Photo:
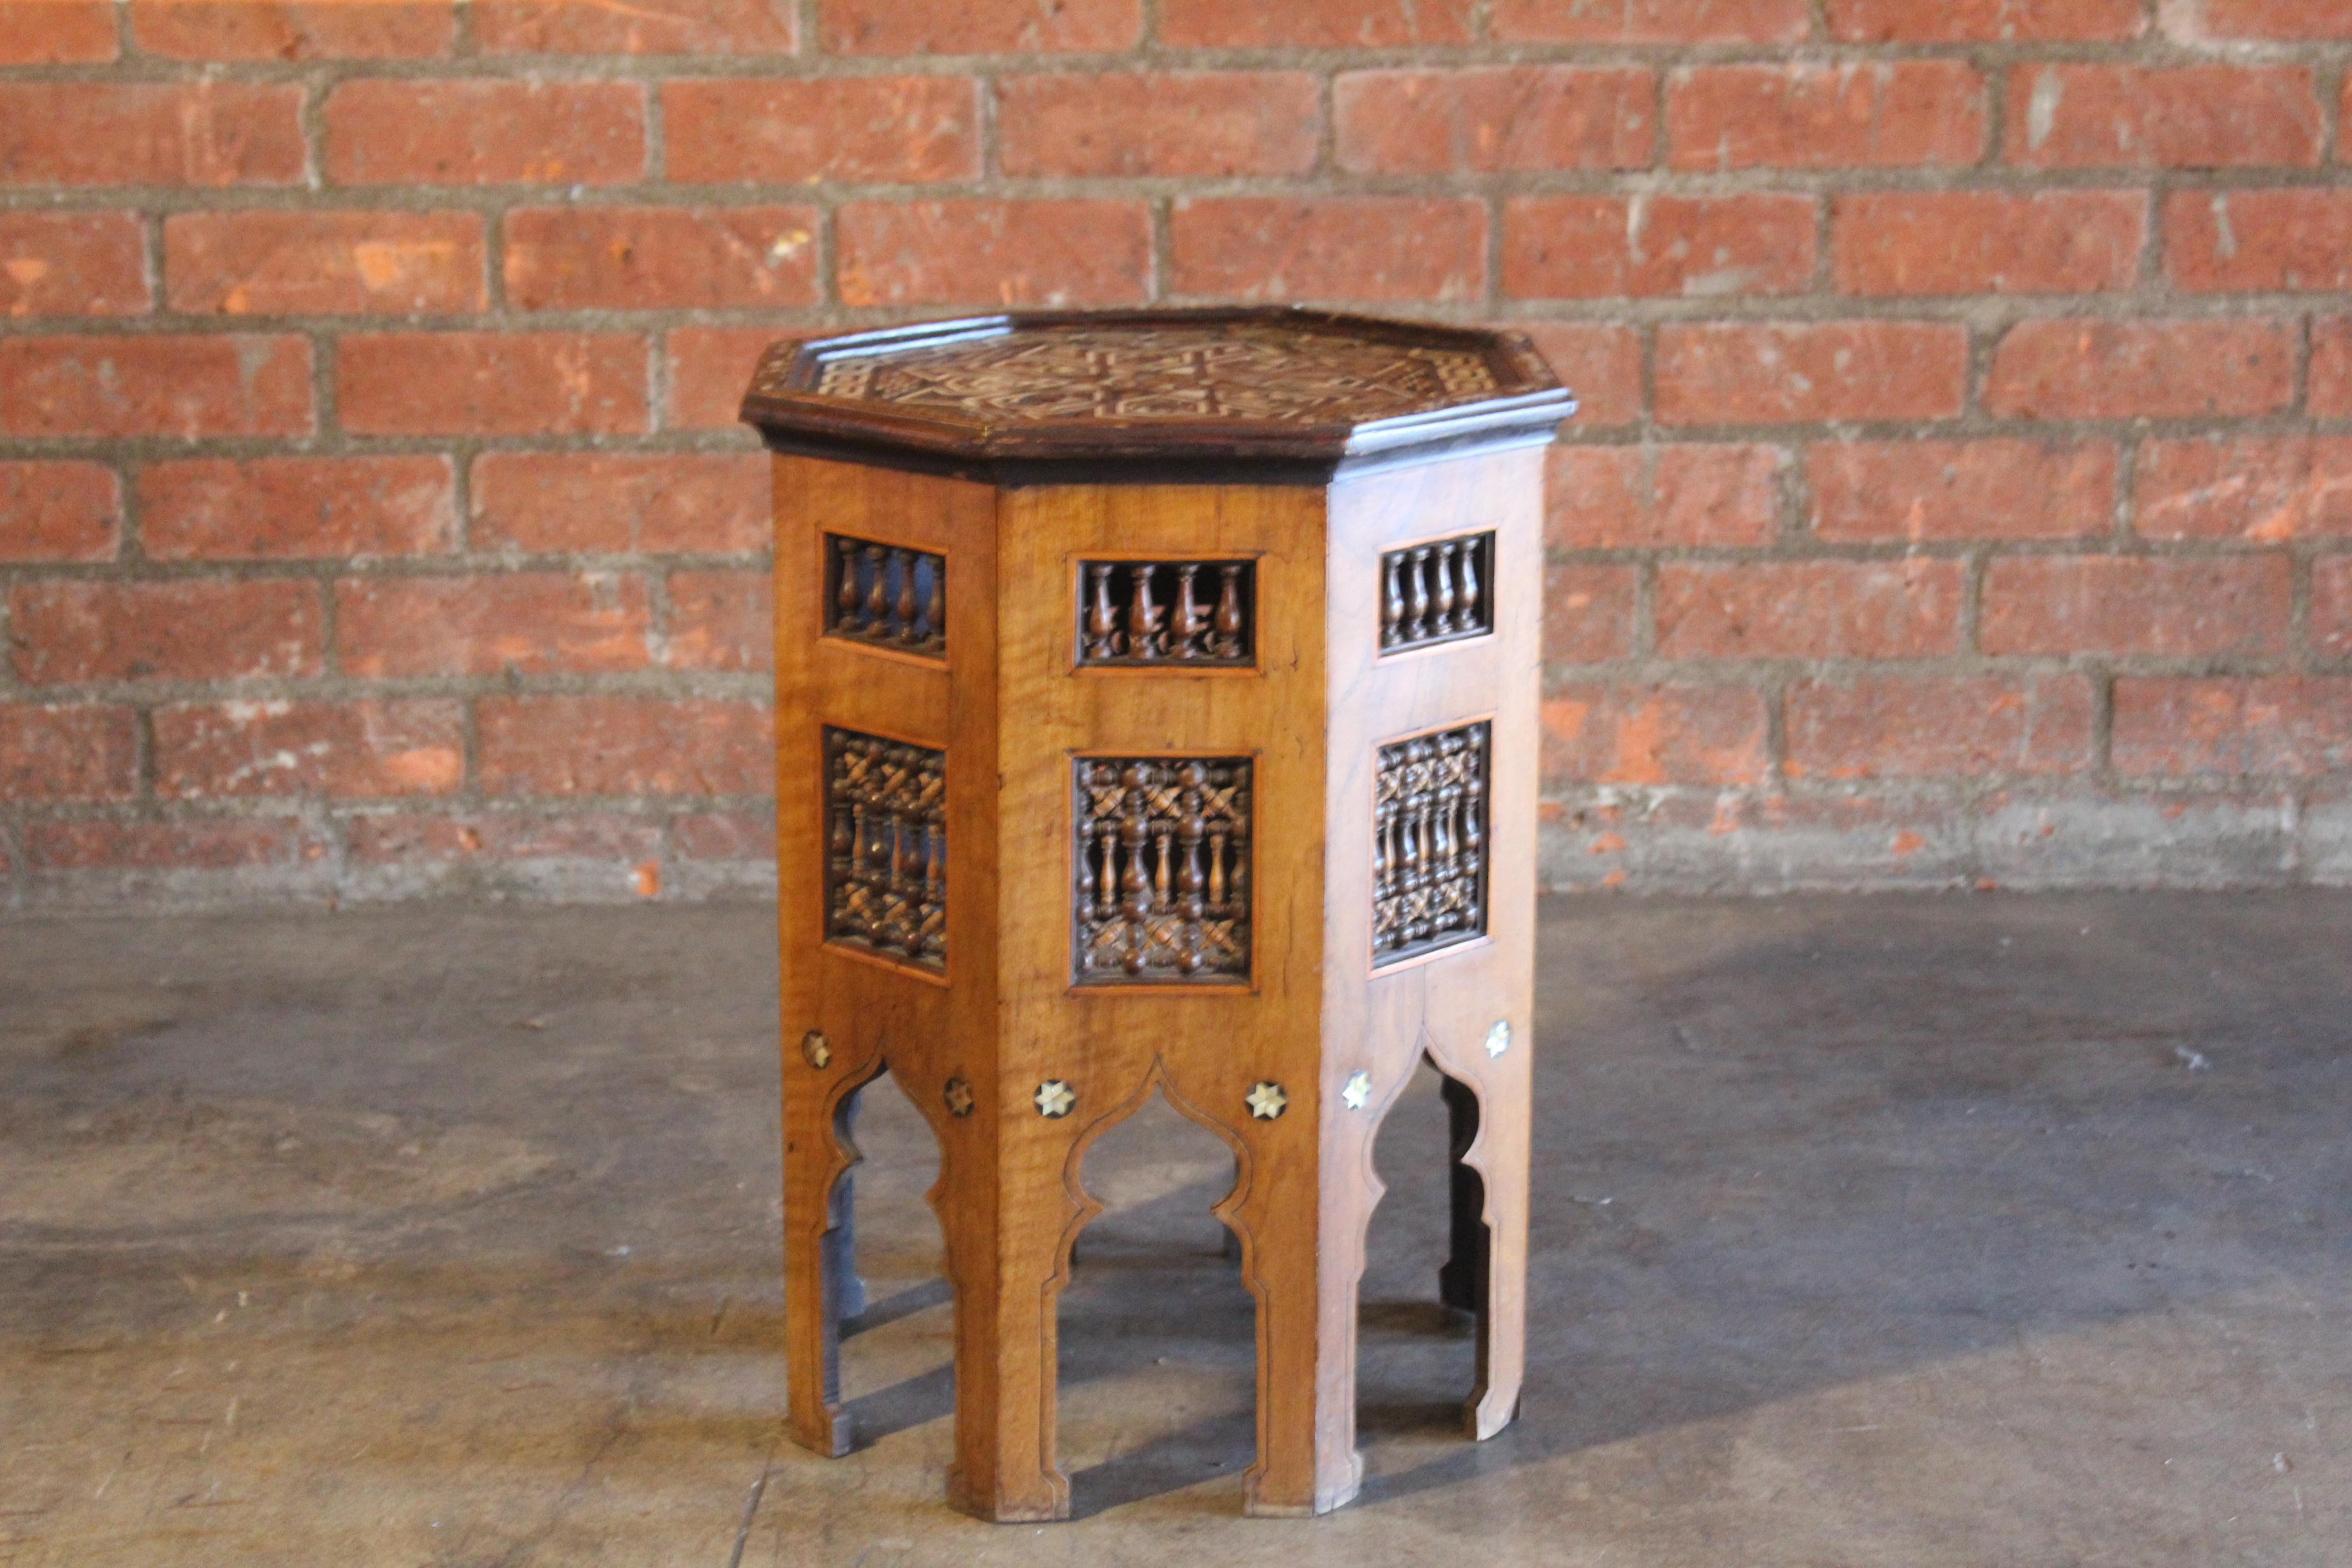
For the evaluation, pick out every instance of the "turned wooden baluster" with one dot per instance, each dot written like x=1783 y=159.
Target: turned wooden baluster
x=1466 y=598
x=1228 y=635
x=1102 y=615
x=878 y=592
x=1142 y=615
x=846 y=598
x=1392 y=603
x=1417 y=570
x=1443 y=598
x=1191 y=616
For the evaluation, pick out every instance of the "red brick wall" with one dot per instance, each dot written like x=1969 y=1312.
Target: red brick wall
x=1964 y=489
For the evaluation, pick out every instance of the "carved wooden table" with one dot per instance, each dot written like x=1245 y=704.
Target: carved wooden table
x=1156 y=710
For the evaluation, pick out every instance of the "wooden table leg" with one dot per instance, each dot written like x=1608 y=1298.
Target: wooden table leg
x=820 y=1288
x=1491 y=1243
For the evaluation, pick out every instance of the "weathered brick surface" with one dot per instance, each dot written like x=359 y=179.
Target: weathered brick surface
x=324 y=263
x=492 y=383
x=1986 y=242
x=1956 y=491
x=58 y=511
x=1964 y=469
x=72 y=263
x=523 y=622
x=907 y=129
x=1497 y=118
x=652 y=259
x=261 y=509
x=82 y=631
x=1810 y=609
x=397 y=747
x=1597 y=247
x=1110 y=124
x=2181 y=608
x=302 y=30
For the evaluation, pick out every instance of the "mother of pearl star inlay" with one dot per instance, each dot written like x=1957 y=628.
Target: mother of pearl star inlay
x=1268 y=1101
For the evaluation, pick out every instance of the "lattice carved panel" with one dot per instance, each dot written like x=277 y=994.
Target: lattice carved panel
x=1168 y=370
x=886 y=884
x=1429 y=843
x=1162 y=894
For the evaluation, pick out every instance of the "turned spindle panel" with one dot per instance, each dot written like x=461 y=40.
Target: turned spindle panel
x=886 y=596
x=1190 y=613
x=1437 y=592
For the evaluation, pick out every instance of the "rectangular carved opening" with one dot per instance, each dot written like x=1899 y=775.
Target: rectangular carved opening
x=1439 y=592
x=1166 y=612
x=1429 y=843
x=1162 y=893
x=886 y=864
x=886 y=596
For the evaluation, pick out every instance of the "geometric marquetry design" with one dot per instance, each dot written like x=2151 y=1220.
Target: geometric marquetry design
x=1429 y=843
x=1187 y=611
x=887 y=596
x=1436 y=592
x=1162 y=893
x=1182 y=371
x=886 y=883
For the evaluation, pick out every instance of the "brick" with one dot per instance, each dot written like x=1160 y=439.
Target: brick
x=709 y=367
x=1313 y=23
x=2197 y=21
x=616 y=503
x=893 y=129
x=404 y=839
x=133 y=134
x=183 y=388
x=1654 y=498
x=2286 y=724
x=198 y=630
x=1986 y=242
x=1984 y=21
x=1120 y=125
x=188 y=844
x=1810 y=609
x=395 y=133
x=343 y=750
x=1591 y=248
x=661 y=28
x=1587 y=614
x=1492 y=120
x=2141 y=370
x=1896 y=114
x=1924 y=491
x=278 y=509
x=2331 y=606
x=725 y=835
x=2202 y=116
x=1923 y=729
x=266 y=263
x=273 y=30
x=645 y=258
x=1331 y=248
x=58 y=511
x=503 y=623
x=491 y=383
x=73 y=264
x=1001 y=253
x=721 y=620
x=2331 y=367
x=1650 y=21
x=625 y=746
x=71 y=751
x=2166 y=606
x=1701 y=735
x=2246 y=241
x=1602 y=365
x=1782 y=372
x=55 y=32
x=2266 y=489
x=977 y=26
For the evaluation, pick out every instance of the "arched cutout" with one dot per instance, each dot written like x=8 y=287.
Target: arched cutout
x=1157 y=1331
x=898 y=1328
x=1423 y=1285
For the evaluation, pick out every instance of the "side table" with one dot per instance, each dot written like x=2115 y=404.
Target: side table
x=1156 y=710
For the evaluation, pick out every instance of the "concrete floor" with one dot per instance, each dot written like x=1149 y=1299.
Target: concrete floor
x=1913 y=1231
